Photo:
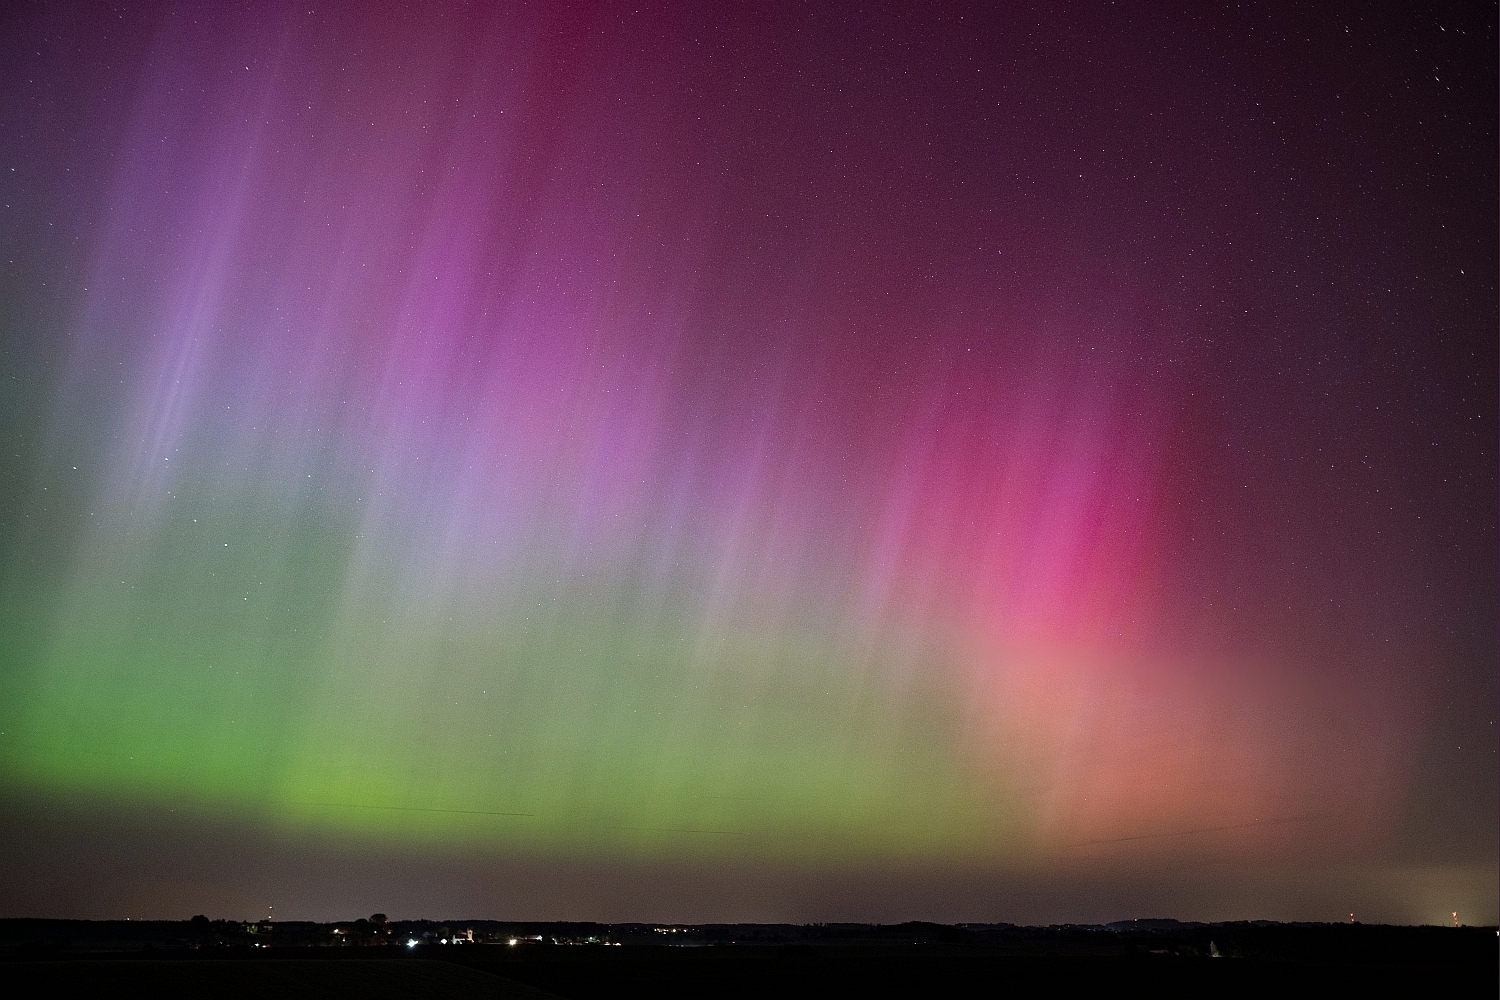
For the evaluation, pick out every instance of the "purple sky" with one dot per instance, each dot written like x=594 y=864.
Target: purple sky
x=623 y=461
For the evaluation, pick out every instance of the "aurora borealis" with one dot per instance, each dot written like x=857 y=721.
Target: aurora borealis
x=889 y=448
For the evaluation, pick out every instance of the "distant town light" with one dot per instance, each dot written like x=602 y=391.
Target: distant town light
x=411 y=942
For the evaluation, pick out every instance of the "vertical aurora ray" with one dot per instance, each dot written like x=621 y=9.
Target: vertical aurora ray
x=459 y=443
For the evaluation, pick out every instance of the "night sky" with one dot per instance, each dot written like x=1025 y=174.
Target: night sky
x=712 y=463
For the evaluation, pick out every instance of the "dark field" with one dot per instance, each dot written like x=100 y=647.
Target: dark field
x=774 y=972
x=1160 y=959
x=228 y=978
